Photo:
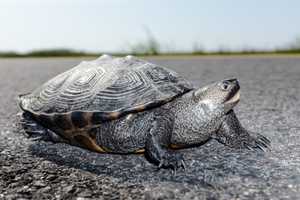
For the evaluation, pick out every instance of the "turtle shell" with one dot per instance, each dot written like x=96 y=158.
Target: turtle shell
x=104 y=89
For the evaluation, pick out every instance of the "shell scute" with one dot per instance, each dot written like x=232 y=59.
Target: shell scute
x=101 y=90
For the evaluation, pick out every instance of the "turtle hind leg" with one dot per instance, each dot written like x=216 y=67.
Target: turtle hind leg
x=232 y=134
x=35 y=131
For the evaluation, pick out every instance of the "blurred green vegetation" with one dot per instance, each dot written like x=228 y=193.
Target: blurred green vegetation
x=47 y=53
x=55 y=52
x=293 y=48
x=70 y=53
x=151 y=47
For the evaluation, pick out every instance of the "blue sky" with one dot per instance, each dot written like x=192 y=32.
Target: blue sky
x=114 y=25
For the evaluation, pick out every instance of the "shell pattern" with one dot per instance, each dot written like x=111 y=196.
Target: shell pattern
x=105 y=86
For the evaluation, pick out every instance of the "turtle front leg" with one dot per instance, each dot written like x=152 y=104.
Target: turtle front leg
x=157 y=149
x=232 y=134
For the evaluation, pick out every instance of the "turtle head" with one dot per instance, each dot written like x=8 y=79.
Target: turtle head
x=225 y=93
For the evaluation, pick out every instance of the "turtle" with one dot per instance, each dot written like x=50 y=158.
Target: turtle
x=128 y=105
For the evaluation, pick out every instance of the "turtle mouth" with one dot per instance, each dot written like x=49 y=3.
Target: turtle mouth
x=235 y=98
x=234 y=95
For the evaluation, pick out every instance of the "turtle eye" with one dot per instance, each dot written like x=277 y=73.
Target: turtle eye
x=225 y=85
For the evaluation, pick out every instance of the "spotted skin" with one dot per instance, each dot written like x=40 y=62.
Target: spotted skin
x=127 y=105
x=89 y=96
x=156 y=133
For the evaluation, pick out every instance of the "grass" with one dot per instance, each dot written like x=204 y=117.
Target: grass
x=151 y=47
x=146 y=52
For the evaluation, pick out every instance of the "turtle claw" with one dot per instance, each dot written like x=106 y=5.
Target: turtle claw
x=263 y=143
x=160 y=165
x=183 y=165
x=34 y=139
x=256 y=141
x=173 y=161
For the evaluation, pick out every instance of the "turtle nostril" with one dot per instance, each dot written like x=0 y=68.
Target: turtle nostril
x=232 y=80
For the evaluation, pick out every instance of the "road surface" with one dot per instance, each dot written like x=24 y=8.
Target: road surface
x=270 y=104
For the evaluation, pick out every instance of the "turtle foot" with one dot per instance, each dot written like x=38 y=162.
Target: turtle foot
x=172 y=161
x=36 y=131
x=256 y=141
x=233 y=134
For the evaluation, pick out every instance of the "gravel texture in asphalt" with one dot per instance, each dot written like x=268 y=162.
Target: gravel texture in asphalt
x=270 y=105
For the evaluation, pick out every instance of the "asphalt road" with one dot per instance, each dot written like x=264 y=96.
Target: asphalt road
x=270 y=104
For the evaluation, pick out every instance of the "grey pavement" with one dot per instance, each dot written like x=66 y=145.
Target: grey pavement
x=270 y=105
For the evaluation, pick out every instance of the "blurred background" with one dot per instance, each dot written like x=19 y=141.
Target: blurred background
x=180 y=35
x=79 y=27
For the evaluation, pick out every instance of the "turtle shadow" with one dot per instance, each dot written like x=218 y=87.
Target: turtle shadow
x=207 y=166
